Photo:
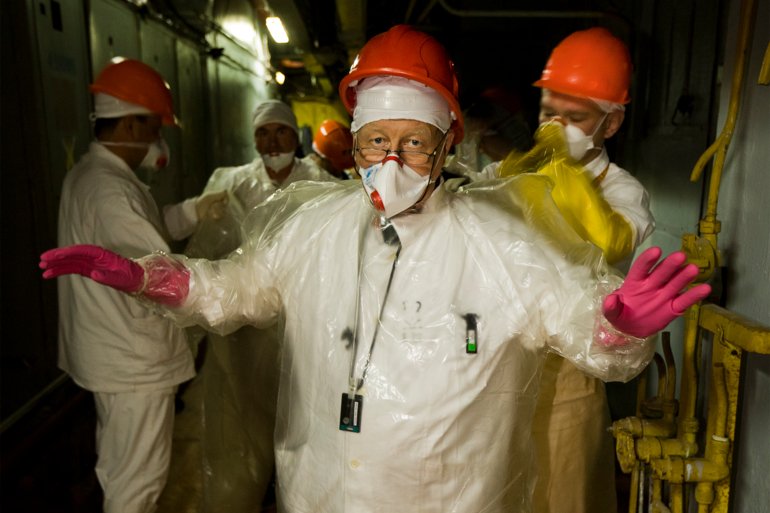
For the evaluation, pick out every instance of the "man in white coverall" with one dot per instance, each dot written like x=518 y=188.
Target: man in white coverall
x=240 y=370
x=131 y=359
x=414 y=338
x=276 y=137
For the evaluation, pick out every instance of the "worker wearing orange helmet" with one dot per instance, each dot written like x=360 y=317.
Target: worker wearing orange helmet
x=333 y=149
x=130 y=359
x=585 y=87
x=414 y=337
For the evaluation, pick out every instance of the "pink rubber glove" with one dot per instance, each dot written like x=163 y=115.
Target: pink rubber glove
x=650 y=296
x=167 y=280
x=97 y=263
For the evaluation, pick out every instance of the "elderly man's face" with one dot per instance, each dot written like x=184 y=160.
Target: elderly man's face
x=275 y=138
x=414 y=141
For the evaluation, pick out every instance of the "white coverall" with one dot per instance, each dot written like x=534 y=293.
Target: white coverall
x=240 y=370
x=131 y=358
x=442 y=430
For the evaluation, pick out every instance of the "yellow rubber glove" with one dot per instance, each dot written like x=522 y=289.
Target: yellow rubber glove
x=578 y=199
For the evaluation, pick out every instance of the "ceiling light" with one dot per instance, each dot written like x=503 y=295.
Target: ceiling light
x=278 y=33
x=280 y=77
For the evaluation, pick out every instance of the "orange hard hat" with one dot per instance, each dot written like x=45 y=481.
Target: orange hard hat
x=135 y=82
x=334 y=142
x=405 y=52
x=589 y=63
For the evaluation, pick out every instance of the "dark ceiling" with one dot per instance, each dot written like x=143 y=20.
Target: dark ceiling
x=492 y=42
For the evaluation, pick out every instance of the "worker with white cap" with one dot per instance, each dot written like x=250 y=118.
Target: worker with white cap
x=240 y=370
x=414 y=338
x=276 y=137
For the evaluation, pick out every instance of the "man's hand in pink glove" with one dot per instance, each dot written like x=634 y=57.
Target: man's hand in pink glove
x=97 y=263
x=167 y=281
x=651 y=295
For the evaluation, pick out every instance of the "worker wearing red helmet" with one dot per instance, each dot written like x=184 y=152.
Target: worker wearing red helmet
x=333 y=149
x=585 y=87
x=414 y=337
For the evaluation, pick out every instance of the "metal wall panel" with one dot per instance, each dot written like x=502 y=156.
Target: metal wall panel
x=238 y=82
x=63 y=57
x=114 y=32
x=191 y=98
x=158 y=49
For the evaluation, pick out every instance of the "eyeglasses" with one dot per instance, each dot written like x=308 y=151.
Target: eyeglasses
x=411 y=157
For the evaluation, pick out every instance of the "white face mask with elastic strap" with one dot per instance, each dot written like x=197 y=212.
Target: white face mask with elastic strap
x=578 y=141
x=157 y=156
x=278 y=162
x=393 y=186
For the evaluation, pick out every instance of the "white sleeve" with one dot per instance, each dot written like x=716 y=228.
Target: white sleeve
x=181 y=218
x=630 y=199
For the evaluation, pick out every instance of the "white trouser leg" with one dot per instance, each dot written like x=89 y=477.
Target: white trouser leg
x=133 y=443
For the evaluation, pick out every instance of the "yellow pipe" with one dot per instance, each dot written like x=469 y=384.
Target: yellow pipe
x=639 y=428
x=656 y=499
x=736 y=329
x=670 y=366
x=723 y=141
x=688 y=423
x=721 y=421
x=650 y=448
x=633 y=497
x=688 y=470
x=676 y=498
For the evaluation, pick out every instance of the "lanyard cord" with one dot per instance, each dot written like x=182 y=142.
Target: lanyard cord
x=356 y=384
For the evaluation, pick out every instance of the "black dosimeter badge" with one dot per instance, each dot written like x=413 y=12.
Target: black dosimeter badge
x=352 y=404
x=350 y=412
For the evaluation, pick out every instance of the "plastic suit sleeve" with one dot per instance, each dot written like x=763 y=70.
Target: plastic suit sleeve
x=571 y=301
x=227 y=294
x=157 y=278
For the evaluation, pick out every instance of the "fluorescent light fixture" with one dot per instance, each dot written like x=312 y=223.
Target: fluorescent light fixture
x=280 y=77
x=277 y=32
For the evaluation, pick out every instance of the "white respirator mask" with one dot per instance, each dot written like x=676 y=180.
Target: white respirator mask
x=578 y=141
x=278 y=162
x=157 y=156
x=393 y=186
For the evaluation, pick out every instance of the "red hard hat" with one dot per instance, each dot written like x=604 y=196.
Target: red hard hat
x=589 y=63
x=334 y=142
x=408 y=53
x=135 y=82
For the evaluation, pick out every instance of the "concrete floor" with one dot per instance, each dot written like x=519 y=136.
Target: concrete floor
x=48 y=458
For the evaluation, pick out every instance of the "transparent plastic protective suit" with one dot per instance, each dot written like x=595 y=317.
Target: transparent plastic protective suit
x=574 y=192
x=240 y=387
x=480 y=284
